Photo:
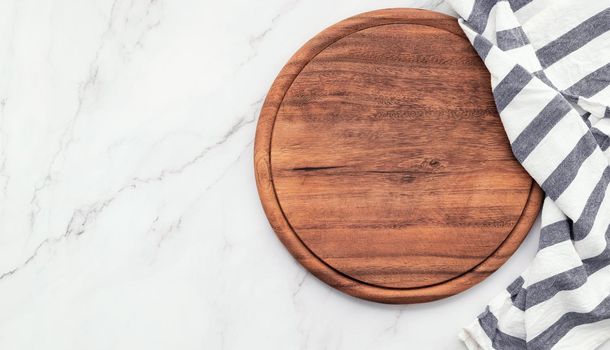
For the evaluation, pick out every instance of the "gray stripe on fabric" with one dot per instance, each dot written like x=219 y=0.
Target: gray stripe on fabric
x=499 y=339
x=592 y=83
x=511 y=38
x=588 y=122
x=574 y=39
x=515 y=287
x=602 y=139
x=510 y=86
x=482 y=46
x=552 y=335
x=515 y=290
x=542 y=76
x=584 y=224
x=600 y=261
x=531 y=136
x=566 y=172
x=572 y=99
x=520 y=300
x=555 y=233
x=607 y=114
x=585 y=117
x=515 y=5
x=480 y=13
x=544 y=290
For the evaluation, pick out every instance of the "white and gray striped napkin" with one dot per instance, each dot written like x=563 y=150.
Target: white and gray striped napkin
x=550 y=72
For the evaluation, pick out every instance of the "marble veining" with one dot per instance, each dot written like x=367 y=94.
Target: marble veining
x=129 y=217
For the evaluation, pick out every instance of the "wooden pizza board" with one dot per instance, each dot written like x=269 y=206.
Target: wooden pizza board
x=382 y=163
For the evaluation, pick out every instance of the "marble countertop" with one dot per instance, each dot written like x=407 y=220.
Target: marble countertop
x=129 y=217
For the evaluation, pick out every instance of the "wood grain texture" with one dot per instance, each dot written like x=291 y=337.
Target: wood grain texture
x=382 y=164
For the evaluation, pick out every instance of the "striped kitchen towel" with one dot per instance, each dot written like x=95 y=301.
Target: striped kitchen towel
x=550 y=72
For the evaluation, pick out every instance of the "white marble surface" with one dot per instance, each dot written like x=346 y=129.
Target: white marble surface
x=129 y=217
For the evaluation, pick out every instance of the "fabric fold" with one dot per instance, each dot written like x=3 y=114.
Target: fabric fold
x=551 y=86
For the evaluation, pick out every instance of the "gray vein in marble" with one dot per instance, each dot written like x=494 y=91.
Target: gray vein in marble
x=173 y=227
x=85 y=89
x=227 y=246
x=255 y=40
x=237 y=126
x=394 y=327
x=299 y=285
x=30 y=259
x=82 y=217
x=149 y=28
x=77 y=225
x=214 y=183
x=67 y=136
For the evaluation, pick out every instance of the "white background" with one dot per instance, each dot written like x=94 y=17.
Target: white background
x=129 y=217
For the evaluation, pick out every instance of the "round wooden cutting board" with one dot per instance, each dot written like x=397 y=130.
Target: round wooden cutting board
x=382 y=163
